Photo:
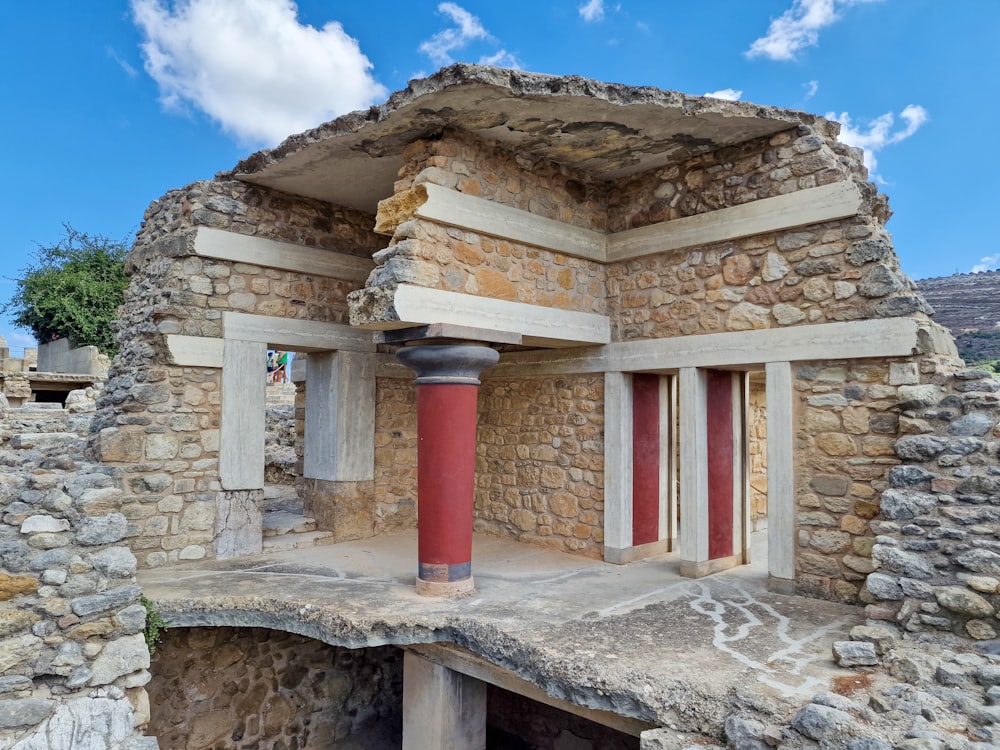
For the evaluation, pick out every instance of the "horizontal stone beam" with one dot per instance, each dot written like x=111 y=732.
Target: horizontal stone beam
x=298 y=335
x=466 y=662
x=452 y=208
x=408 y=306
x=810 y=206
x=892 y=337
x=194 y=351
x=241 y=248
x=486 y=217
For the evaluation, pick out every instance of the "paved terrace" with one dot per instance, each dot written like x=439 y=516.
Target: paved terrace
x=637 y=640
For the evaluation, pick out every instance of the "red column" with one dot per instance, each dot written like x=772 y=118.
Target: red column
x=645 y=458
x=720 y=463
x=447 y=387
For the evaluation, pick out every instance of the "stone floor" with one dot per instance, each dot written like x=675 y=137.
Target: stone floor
x=636 y=639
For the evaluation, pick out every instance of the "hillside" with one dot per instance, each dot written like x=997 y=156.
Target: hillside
x=969 y=305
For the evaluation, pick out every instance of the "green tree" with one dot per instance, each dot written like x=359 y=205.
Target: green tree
x=72 y=290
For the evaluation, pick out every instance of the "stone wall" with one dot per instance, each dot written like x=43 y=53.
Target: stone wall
x=834 y=271
x=463 y=162
x=243 y=688
x=540 y=462
x=73 y=659
x=847 y=427
x=395 y=455
x=936 y=555
x=160 y=423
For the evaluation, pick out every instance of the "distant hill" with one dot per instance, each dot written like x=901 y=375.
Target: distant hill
x=969 y=305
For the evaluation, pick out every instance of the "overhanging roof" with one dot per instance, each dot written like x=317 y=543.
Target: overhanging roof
x=607 y=130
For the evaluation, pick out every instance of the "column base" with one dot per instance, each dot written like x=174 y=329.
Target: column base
x=781 y=585
x=618 y=556
x=692 y=569
x=446 y=589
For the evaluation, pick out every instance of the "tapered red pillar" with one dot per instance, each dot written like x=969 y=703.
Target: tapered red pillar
x=447 y=387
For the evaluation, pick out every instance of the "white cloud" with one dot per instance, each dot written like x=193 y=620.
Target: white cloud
x=879 y=133
x=592 y=11
x=130 y=71
x=798 y=28
x=467 y=28
x=811 y=88
x=989 y=263
x=501 y=59
x=251 y=66
x=730 y=95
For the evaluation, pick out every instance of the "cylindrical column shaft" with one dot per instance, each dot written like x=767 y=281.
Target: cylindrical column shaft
x=447 y=388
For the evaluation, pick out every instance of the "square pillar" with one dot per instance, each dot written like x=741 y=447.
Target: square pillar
x=340 y=416
x=442 y=709
x=241 y=431
x=713 y=480
x=780 y=478
x=637 y=466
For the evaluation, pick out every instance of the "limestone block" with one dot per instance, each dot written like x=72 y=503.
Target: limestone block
x=746 y=316
x=854 y=654
x=24 y=712
x=36 y=524
x=120 y=657
x=96 y=530
x=964 y=602
x=116 y=445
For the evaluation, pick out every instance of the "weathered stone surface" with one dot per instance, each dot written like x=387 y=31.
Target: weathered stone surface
x=904 y=563
x=918 y=396
x=854 y=653
x=920 y=447
x=974 y=424
x=910 y=476
x=982 y=561
x=108 y=600
x=868 y=251
x=120 y=657
x=883 y=640
x=902 y=505
x=820 y=722
x=747 y=317
x=963 y=601
x=97 y=723
x=107 y=529
x=24 y=712
x=115 y=562
x=883 y=587
x=880 y=281
x=12 y=585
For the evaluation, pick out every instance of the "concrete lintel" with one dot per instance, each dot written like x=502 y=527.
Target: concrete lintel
x=809 y=206
x=537 y=325
x=466 y=662
x=299 y=335
x=858 y=339
x=453 y=208
x=446 y=331
x=241 y=248
x=194 y=351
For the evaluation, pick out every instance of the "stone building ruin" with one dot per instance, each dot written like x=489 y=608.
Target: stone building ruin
x=645 y=322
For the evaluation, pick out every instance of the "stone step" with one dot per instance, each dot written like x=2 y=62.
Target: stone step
x=297 y=541
x=281 y=522
x=43 y=439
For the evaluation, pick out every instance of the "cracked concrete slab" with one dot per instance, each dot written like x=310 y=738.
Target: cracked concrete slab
x=636 y=639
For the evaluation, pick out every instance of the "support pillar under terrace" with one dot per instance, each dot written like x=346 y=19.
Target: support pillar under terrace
x=447 y=389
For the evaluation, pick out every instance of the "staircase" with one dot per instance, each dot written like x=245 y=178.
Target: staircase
x=285 y=524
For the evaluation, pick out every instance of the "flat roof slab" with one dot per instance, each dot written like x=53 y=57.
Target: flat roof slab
x=635 y=639
x=607 y=130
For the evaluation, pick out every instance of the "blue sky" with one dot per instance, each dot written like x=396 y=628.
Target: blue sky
x=111 y=104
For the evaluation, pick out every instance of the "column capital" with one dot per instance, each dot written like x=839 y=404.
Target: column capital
x=454 y=364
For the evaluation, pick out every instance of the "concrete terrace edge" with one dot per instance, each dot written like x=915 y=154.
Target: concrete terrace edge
x=558 y=677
